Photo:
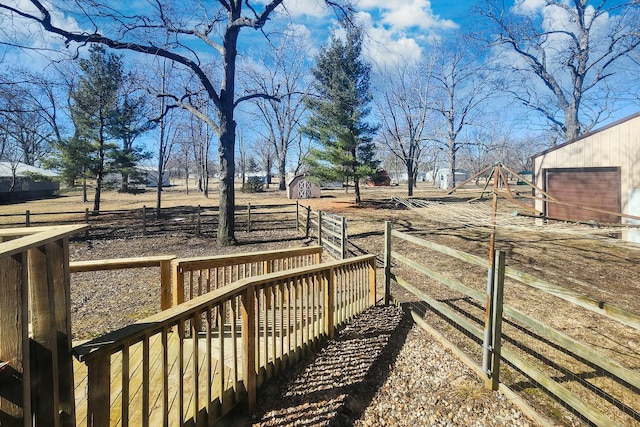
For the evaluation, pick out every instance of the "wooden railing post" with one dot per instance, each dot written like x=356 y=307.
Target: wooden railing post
x=178 y=283
x=372 y=282
x=98 y=386
x=165 y=284
x=14 y=339
x=330 y=302
x=249 y=371
x=493 y=382
x=387 y=262
x=44 y=352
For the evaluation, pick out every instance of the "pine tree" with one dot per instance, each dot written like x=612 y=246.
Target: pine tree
x=339 y=109
x=94 y=104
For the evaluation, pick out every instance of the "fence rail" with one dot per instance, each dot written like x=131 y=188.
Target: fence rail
x=516 y=334
x=193 y=362
x=190 y=219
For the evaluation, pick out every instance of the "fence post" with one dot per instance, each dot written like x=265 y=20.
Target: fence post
x=387 y=262
x=496 y=317
x=297 y=215
x=27 y=219
x=249 y=217
x=144 y=220
x=320 y=228
x=86 y=221
x=343 y=238
x=249 y=346
x=199 y=226
x=308 y=225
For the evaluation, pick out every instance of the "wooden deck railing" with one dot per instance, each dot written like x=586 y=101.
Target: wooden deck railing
x=36 y=373
x=199 y=275
x=162 y=261
x=193 y=362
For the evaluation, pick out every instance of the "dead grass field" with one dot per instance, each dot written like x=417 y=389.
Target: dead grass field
x=602 y=268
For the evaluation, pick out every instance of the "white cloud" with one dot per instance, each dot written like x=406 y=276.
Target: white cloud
x=385 y=48
x=527 y=7
x=312 y=8
x=407 y=14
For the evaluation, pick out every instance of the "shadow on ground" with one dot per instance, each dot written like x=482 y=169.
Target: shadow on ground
x=336 y=386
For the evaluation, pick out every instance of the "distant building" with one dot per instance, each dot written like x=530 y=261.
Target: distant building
x=299 y=187
x=19 y=181
x=441 y=177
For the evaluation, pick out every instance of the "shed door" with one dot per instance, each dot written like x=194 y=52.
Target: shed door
x=596 y=188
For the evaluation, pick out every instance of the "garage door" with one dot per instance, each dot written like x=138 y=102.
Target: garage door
x=597 y=188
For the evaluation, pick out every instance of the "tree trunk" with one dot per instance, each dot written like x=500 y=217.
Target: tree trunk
x=226 y=220
x=282 y=174
x=356 y=188
x=410 y=177
x=452 y=165
x=227 y=135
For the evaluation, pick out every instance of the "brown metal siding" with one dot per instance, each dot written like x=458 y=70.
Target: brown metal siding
x=596 y=188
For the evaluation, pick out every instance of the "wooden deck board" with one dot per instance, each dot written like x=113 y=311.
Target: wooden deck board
x=155 y=377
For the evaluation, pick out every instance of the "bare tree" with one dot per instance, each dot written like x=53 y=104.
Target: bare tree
x=404 y=106
x=460 y=87
x=564 y=67
x=216 y=25
x=282 y=73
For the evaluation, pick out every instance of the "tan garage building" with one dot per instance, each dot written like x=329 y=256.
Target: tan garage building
x=599 y=171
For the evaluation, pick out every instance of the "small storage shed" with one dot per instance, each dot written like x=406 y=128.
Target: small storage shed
x=299 y=187
x=598 y=171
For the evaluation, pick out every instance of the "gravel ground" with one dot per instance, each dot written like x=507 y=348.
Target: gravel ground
x=382 y=370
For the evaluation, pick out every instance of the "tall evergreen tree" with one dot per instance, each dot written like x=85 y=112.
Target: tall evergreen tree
x=338 y=112
x=94 y=104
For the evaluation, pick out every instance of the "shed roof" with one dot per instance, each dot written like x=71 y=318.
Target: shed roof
x=588 y=134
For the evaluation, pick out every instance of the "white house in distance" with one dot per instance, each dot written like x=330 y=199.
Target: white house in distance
x=23 y=179
x=600 y=170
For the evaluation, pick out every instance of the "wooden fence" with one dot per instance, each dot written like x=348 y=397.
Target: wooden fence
x=192 y=363
x=329 y=229
x=519 y=339
x=135 y=222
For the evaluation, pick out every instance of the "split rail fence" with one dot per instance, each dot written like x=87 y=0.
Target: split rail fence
x=600 y=382
x=186 y=365
x=329 y=229
x=196 y=220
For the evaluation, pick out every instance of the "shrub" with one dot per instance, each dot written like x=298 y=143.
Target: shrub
x=253 y=184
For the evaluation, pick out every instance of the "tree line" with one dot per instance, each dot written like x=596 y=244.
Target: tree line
x=329 y=115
